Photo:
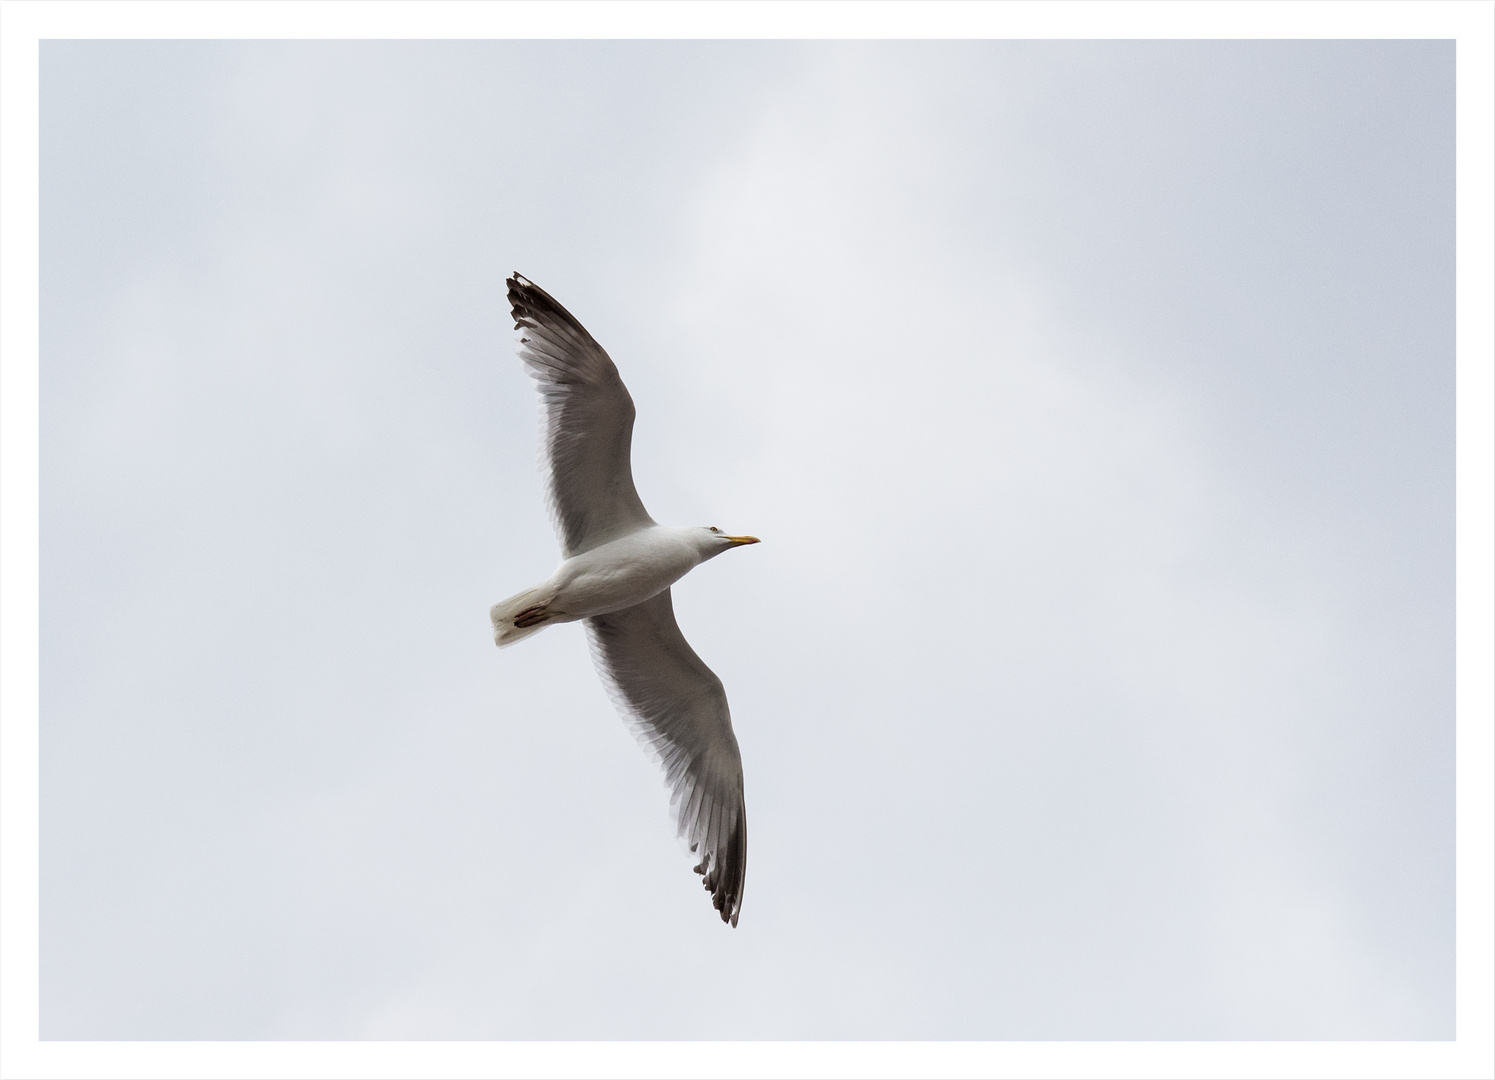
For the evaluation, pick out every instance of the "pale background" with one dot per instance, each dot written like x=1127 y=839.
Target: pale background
x=1094 y=402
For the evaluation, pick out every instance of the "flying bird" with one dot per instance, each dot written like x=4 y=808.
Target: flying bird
x=617 y=566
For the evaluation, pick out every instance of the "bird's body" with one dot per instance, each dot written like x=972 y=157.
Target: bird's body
x=618 y=574
x=617 y=568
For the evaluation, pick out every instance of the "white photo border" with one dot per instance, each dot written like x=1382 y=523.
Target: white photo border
x=25 y=23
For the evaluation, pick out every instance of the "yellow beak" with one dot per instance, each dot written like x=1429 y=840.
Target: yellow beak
x=744 y=539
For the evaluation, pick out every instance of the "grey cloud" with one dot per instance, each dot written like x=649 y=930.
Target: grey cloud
x=1093 y=400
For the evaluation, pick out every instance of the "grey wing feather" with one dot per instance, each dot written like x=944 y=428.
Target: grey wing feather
x=678 y=707
x=587 y=419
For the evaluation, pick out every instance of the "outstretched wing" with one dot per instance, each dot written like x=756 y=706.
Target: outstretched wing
x=677 y=706
x=587 y=417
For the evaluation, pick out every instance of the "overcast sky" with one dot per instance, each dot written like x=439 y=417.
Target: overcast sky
x=1094 y=403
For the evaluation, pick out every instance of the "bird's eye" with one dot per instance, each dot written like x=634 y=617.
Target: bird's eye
x=715 y=529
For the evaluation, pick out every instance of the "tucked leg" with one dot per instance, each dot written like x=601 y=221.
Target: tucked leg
x=531 y=616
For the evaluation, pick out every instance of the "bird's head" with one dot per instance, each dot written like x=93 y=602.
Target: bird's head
x=714 y=541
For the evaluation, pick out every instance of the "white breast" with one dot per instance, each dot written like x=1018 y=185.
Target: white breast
x=622 y=573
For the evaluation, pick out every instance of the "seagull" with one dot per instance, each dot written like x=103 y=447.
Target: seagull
x=617 y=566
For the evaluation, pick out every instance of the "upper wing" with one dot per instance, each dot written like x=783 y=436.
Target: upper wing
x=588 y=422
x=677 y=705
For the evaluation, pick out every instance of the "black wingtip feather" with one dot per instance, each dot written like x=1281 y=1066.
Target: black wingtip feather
x=724 y=877
x=529 y=303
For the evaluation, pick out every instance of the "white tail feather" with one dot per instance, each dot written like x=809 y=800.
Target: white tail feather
x=505 y=632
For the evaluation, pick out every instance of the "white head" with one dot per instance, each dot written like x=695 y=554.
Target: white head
x=713 y=541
